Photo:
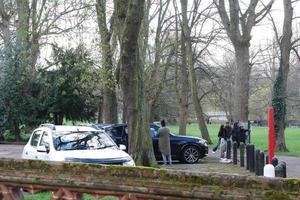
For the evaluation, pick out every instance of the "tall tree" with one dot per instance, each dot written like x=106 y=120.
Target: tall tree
x=120 y=9
x=238 y=26
x=15 y=102
x=157 y=68
x=68 y=91
x=182 y=83
x=280 y=84
x=131 y=76
x=186 y=41
x=23 y=23
x=108 y=80
x=34 y=21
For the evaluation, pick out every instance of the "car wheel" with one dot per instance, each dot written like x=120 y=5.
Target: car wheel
x=190 y=154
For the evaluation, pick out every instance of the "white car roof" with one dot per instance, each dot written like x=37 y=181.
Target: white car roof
x=74 y=128
x=64 y=128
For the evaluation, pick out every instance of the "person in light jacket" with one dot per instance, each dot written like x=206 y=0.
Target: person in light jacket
x=164 y=143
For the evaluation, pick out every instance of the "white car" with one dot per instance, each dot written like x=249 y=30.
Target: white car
x=74 y=144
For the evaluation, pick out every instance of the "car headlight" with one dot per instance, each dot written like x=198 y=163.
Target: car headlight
x=204 y=142
x=130 y=163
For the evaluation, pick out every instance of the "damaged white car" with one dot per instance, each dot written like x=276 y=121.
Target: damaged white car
x=75 y=144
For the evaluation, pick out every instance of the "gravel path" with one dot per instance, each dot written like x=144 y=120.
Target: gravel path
x=211 y=163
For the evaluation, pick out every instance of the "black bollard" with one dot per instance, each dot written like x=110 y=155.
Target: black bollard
x=251 y=158
x=279 y=171
x=242 y=155
x=234 y=153
x=247 y=157
x=228 y=151
x=267 y=159
x=261 y=163
x=257 y=153
x=284 y=168
x=274 y=161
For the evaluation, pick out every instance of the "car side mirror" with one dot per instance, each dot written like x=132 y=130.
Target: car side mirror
x=44 y=149
x=122 y=147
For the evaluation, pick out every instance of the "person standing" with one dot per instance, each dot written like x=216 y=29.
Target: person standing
x=220 y=135
x=244 y=134
x=228 y=131
x=236 y=133
x=164 y=143
x=225 y=137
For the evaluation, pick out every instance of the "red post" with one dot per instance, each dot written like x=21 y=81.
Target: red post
x=271 y=134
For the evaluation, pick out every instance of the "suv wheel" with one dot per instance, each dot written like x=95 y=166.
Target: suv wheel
x=190 y=154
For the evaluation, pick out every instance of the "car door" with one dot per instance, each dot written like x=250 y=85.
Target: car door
x=30 y=150
x=116 y=133
x=45 y=144
x=175 y=146
x=154 y=136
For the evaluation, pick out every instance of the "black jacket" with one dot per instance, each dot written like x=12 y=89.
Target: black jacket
x=225 y=132
x=228 y=132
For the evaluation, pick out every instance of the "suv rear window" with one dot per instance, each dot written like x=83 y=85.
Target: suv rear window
x=117 y=131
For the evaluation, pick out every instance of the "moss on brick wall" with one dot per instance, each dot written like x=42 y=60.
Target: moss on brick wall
x=145 y=180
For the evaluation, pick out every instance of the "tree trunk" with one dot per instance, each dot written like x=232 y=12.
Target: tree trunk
x=144 y=33
x=58 y=119
x=279 y=105
x=110 y=111
x=184 y=90
x=35 y=35
x=192 y=74
x=100 y=111
x=109 y=97
x=17 y=131
x=23 y=23
x=34 y=54
x=197 y=105
x=139 y=139
x=124 y=116
x=280 y=84
x=241 y=83
x=4 y=24
x=144 y=145
x=238 y=25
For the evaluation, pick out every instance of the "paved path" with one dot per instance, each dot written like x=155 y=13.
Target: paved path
x=211 y=164
x=11 y=151
x=293 y=166
x=208 y=164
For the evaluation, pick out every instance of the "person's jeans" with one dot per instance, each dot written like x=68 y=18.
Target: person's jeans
x=217 y=145
x=167 y=158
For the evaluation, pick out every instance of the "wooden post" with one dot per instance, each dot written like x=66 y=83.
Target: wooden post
x=261 y=163
x=234 y=153
x=257 y=154
x=242 y=155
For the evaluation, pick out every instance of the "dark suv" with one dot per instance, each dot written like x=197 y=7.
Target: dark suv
x=184 y=148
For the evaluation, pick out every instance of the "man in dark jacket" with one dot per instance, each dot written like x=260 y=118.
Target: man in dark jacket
x=226 y=136
x=164 y=142
x=220 y=135
x=227 y=131
x=236 y=133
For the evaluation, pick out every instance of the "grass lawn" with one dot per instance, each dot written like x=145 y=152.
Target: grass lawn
x=259 y=137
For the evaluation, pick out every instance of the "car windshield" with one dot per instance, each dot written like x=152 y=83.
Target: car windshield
x=87 y=140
